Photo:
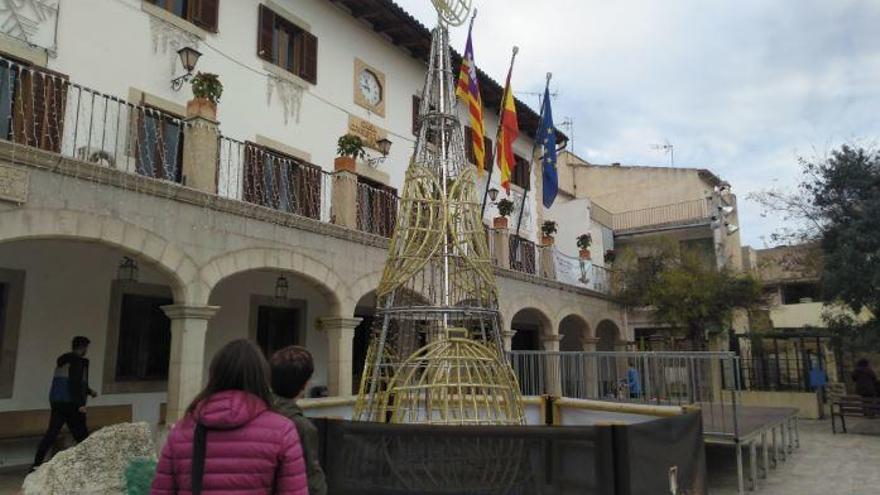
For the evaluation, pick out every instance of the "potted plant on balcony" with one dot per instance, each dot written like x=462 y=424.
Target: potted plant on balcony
x=350 y=148
x=207 y=89
x=505 y=208
x=583 y=242
x=610 y=256
x=548 y=228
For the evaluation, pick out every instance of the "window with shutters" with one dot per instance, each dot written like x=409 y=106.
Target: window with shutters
x=202 y=13
x=431 y=134
x=521 y=173
x=287 y=45
x=469 y=148
x=33 y=102
x=144 y=342
x=281 y=182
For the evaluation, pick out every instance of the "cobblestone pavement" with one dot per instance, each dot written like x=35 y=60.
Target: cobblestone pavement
x=825 y=464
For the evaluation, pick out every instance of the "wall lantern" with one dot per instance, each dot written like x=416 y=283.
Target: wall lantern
x=493 y=194
x=189 y=57
x=384 y=147
x=281 y=288
x=128 y=270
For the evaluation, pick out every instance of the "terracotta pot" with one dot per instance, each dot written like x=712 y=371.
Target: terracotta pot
x=585 y=254
x=547 y=240
x=499 y=222
x=202 y=107
x=345 y=163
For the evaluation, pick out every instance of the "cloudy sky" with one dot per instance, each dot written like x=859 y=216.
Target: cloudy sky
x=740 y=87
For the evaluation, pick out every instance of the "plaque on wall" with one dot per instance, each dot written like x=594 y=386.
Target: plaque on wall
x=367 y=131
x=13 y=184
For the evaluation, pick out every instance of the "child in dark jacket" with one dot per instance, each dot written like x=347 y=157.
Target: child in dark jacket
x=292 y=367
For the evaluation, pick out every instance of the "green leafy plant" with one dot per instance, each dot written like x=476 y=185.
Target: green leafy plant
x=208 y=86
x=549 y=227
x=505 y=207
x=351 y=146
x=584 y=241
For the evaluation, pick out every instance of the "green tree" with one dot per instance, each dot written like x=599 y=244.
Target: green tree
x=837 y=207
x=686 y=292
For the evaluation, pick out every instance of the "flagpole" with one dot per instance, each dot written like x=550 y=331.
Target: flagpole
x=522 y=206
x=498 y=132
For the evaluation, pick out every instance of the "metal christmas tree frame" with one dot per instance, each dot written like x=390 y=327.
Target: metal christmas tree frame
x=436 y=356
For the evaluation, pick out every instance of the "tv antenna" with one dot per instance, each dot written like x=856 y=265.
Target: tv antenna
x=668 y=149
x=567 y=125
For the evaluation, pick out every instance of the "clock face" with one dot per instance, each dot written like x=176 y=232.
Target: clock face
x=370 y=88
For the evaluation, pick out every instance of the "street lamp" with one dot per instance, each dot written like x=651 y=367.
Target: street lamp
x=493 y=194
x=281 y=288
x=128 y=270
x=189 y=57
x=384 y=147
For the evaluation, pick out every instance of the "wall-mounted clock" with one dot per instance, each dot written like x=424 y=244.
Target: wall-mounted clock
x=369 y=87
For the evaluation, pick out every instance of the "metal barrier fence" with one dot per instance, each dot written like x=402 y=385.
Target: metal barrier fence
x=705 y=379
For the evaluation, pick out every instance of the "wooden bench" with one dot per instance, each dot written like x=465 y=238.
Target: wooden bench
x=853 y=406
x=17 y=425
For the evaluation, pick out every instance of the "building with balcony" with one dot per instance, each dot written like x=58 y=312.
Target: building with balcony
x=161 y=233
x=633 y=208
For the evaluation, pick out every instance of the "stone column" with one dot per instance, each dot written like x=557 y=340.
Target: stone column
x=340 y=336
x=507 y=339
x=189 y=325
x=591 y=370
x=553 y=370
x=548 y=263
x=501 y=245
x=344 y=201
x=200 y=154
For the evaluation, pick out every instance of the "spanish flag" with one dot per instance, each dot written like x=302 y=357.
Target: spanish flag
x=469 y=92
x=507 y=133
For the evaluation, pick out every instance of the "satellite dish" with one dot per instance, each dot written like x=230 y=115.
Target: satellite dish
x=452 y=12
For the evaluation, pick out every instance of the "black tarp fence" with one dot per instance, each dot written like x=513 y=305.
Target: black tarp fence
x=372 y=458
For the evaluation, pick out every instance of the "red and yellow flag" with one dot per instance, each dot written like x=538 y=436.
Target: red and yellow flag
x=507 y=133
x=469 y=92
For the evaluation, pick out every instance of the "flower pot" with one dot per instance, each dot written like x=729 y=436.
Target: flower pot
x=499 y=222
x=345 y=163
x=202 y=107
x=585 y=254
x=547 y=240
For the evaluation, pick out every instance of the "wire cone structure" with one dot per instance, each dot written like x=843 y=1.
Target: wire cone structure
x=436 y=356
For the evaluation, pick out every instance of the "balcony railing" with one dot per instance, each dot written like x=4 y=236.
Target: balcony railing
x=671 y=214
x=40 y=109
x=522 y=255
x=581 y=272
x=376 y=209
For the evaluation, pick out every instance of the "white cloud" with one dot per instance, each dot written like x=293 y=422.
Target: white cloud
x=742 y=88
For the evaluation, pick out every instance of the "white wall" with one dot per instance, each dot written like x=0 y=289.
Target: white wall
x=113 y=46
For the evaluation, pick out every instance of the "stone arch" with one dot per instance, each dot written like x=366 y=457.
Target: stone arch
x=325 y=280
x=366 y=284
x=608 y=333
x=574 y=332
x=531 y=326
x=143 y=244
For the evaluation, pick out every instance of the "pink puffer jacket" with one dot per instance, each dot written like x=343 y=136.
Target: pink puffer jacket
x=250 y=450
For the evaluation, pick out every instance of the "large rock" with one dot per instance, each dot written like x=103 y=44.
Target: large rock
x=97 y=465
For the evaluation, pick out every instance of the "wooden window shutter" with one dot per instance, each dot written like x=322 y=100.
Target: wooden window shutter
x=253 y=174
x=205 y=14
x=309 y=68
x=266 y=34
x=416 y=104
x=469 y=145
x=40 y=103
x=490 y=154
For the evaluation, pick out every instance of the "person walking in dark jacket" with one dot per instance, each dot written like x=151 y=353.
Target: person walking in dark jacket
x=67 y=397
x=865 y=378
x=292 y=367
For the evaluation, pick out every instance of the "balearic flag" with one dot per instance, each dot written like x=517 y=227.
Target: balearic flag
x=469 y=91
x=507 y=133
x=546 y=138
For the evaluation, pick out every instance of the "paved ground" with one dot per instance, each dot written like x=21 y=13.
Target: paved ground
x=825 y=463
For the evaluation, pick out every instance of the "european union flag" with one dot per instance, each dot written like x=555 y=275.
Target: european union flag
x=546 y=137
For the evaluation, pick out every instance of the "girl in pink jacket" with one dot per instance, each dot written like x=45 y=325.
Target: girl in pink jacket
x=229 y=442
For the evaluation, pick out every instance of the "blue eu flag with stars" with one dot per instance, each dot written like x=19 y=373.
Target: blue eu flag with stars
x=547 y=140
